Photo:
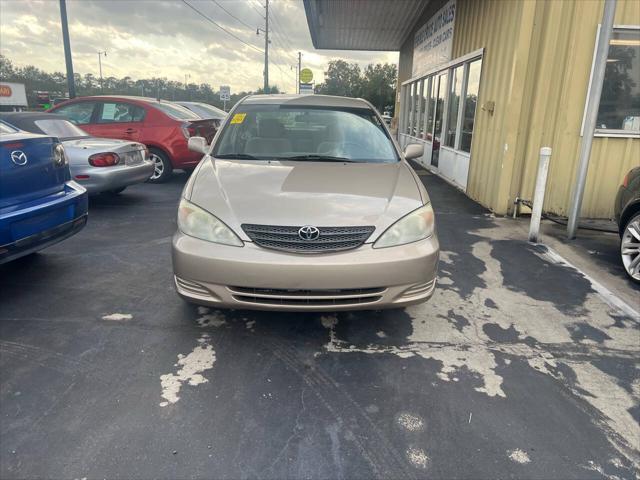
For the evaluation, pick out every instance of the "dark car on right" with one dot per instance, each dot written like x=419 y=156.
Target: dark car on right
x=627 y=212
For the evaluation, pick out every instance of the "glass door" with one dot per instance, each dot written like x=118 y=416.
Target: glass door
x=440 y=93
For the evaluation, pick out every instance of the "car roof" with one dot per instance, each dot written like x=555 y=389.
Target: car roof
x=122 y=97
x=307 y=100
x=26 y=120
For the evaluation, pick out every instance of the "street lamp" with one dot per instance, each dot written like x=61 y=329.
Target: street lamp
x=100 y=54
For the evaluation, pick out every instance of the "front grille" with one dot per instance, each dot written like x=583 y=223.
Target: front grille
x=331 y=239
x=310 y=298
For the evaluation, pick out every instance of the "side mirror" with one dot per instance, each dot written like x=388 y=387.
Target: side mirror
x=413 y=150
x=198 y=144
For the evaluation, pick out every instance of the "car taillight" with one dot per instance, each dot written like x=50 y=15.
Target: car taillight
x=189 y=130
x=59 y=157
x=625 y=181
x=104 y=159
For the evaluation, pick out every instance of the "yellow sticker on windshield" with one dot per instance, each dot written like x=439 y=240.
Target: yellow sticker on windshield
x=238 y=118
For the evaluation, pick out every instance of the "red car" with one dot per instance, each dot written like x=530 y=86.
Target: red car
x=162 y=126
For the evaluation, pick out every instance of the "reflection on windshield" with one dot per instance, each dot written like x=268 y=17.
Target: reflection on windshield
x=60 y=128
x=267 y=132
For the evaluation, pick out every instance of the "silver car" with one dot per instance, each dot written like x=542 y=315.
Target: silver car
x=98 y=164
x=204 y=110
x=304 y=203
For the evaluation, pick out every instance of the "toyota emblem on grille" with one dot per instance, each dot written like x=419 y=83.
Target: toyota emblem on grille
x=309 y=233
x=19 y=157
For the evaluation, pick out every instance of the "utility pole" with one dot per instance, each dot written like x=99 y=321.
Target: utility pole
x=591 y=115
x=71 y=84
x=100 y=67
x=266 y=48
x=299 y=67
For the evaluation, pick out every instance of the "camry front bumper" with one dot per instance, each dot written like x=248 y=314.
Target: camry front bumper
x=252 y=277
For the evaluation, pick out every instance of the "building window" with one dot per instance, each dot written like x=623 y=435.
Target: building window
x=412 y=108
x=431 y=110
x=470 y=105
x=420 y=109
x=619 y=111
x=454 y=104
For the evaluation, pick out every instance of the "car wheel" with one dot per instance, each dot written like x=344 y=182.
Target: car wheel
x=161 y=166
x=630 y=248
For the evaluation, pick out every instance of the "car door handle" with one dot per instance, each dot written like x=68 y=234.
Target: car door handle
x=130 y=130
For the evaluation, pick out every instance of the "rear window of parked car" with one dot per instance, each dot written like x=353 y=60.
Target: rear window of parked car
x=4 y=128
x=115 y=112
x=176 y=111
x=60 y=128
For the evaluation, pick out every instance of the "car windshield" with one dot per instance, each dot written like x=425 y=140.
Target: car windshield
x=60 y=128
x=206 y=111
x=175 y=111
x=267 y=132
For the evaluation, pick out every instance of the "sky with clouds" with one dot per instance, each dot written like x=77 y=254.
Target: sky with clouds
x=166 y=38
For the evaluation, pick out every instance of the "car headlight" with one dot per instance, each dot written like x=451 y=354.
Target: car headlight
x=197 y=222
x=418 y=225
x=59 y=157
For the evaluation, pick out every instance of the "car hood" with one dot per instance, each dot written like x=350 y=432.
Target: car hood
x=292 y=193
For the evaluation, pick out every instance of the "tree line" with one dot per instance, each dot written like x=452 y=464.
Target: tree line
x=376 y=83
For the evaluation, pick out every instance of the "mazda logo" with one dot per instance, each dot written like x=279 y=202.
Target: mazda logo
x=309 y=233
x=19 y=157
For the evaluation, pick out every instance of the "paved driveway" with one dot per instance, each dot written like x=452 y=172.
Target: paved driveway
x=517 y=367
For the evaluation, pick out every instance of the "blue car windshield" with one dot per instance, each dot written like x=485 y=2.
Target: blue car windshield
x=284 y=132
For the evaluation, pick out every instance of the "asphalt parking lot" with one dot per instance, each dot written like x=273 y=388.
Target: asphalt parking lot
x=518 y=367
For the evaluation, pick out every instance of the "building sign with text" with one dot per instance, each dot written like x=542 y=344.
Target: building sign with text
x=433 y=42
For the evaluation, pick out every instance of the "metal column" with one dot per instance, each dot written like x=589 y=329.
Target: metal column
x=591 y=115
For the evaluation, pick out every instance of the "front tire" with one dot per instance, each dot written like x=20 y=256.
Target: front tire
x=162 y=167
x=630 y=248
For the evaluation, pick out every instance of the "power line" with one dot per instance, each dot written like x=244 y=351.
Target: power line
x=253 y=6
x=277 y=22
x=232 y=15
x=281 y=42
x=219 y=26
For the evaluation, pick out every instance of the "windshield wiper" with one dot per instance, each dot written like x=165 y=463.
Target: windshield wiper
x=237 y=156
x=319 y=158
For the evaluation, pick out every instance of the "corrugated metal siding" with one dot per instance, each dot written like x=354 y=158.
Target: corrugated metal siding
x=361 y=25
x=491 y=25
x=554 y=118
x=536 y=69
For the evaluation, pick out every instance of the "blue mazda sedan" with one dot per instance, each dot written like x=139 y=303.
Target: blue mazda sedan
x=39 y=203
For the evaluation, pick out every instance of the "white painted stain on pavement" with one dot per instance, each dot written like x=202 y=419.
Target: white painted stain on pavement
x=515 y=316
x=191 y=367
x=411 y=422
x=417 y=457
x=519 y=456
x=117 y=317
x=207 y=319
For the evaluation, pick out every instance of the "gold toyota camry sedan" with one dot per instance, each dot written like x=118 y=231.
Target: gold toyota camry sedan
x=304 y=203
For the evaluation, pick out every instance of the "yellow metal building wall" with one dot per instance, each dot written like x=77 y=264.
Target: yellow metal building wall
x=536 y=69
x=492 y=25
x=554 y=119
